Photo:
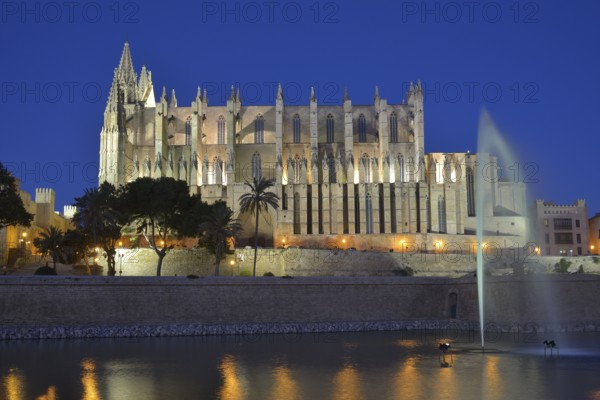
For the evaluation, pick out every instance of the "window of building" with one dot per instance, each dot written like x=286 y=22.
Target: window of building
x=563 y=238
x=547 y=238
x=259 y=129
x=330 y=127
x=579 y=238
x=256 y=166
x=579 y=251
x=366 y=160
x=362 y=129
x=331 y=166
x=546 y=223
x=442 y=214
x=402 y=171
x=470 y=192
x=188 y=131
x=576 y=223
x=296 y=128
x=221 y=130
x=369 y=213
x=563 y=224
x=393 y=128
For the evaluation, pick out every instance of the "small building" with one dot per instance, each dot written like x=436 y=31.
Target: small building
x=560 y=230
x=16 y=242
x=594 y=234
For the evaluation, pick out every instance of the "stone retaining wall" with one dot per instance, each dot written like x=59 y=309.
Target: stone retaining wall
x=144 y=306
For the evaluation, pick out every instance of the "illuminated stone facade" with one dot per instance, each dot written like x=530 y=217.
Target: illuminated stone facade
x=352 y=174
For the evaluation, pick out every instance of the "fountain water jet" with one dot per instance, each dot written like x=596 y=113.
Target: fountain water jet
x=489 y=141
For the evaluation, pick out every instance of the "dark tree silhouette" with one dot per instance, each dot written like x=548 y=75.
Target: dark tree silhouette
x=217 y=228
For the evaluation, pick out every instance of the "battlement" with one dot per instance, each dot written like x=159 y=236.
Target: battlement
x=69 y=211
x=44 y=195
x=578 y=203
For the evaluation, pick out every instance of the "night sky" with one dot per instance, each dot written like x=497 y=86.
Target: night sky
x=534 y=65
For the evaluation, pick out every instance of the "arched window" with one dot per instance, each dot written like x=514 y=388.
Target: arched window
x=256 y=166
x=393 y=128
x=296 y=127
x=442 y=214
x=296 y=213
x=362 y=129
x=259 y=130
x=188 y=131
x=369 y=212
x=401 y=168
x=470 y=193
x=366 y=160
x=331 y=166
x=221 y=130
x=330 y=127
x=297 y=167
x=428 y=211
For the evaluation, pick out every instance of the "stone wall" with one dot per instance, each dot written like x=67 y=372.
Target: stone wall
x=296 y=261
x=564 y=302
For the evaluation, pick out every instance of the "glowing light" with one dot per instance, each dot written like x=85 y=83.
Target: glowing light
x=13 y=383
x=283 y=241
x=231 y=262
x=120 y=244
x=89 y=380
x=24 y=234
x=162 y=242
x=234 y=384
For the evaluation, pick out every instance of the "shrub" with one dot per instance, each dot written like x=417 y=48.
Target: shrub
x=286 y=277
x=45 y=271
x=562 y=267
x=268 y=274
x=596 y=260
x=580 y=270
x=245 y=272
x=192 y=276
x=406 y=271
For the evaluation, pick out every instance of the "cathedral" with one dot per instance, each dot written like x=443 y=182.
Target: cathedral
x=347 y=175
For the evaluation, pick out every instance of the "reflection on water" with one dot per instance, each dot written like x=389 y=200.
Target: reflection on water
x=49 y=395
x=285 y=387
x=88 y=380
x=12 y=385
x=234 y=383
x=378 y=365
x=346 y=384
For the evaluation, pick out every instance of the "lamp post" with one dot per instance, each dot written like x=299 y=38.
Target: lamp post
x=120 y=252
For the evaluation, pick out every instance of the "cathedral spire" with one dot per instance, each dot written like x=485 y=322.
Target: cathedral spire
x=173 y=102
x=237 y=95
x=199 y=94
x=163 y=96
x=126 y=71
x=205 y=97
x=232 y=94
x=312 y=94
x=279 y=93
x=376 y=98
x=346 y=97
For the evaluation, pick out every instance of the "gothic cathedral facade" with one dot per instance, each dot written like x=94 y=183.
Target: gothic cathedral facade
x=351 y=174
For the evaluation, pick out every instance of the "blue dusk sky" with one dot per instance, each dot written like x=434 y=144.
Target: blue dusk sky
x=534 y=65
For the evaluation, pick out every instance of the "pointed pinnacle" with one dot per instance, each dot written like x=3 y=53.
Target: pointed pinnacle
x=279 y=92
x=164 y=93
x=237 y=95
x=232 y=93
x=312 y=93
x=376 y=93
x=199 y=94
x=346 y=97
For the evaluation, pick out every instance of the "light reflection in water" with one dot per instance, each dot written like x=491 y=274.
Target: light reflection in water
x=13 y=385
x=89 y=380
x=234 y=382
x=285 y=385
x=346 y=384
x=50 y=394
x=492 y=382
x=407 y=382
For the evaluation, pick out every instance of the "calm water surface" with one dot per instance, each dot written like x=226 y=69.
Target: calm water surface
x=375 y=365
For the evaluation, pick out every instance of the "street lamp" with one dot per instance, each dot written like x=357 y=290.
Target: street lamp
x=120 y=258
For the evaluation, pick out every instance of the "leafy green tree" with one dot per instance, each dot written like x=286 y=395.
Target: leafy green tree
x=159 y=209
x=100 y=218
x=217 y=228
x=12 y=210
x=50 y=242
x=259 y=199
x=76 y=246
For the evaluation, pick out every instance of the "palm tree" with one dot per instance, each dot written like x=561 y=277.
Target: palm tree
x=218 y=227
x=100 y=219
x=259 y=199
x=49 y=242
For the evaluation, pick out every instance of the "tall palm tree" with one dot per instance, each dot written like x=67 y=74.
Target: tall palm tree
x=259 y=199
x=218 y=227
x=49 y=242
x=100 y=219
